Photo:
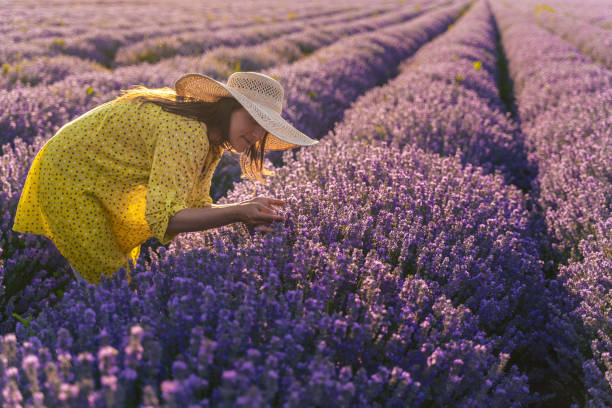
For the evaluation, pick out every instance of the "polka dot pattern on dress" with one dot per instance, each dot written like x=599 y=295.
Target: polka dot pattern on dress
x=111 y=179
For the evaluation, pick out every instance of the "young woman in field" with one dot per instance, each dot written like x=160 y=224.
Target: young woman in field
x=140 y=166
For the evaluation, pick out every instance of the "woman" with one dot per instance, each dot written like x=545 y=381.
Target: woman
x=140 y=166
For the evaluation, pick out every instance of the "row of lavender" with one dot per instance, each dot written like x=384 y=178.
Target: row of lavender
x=565 y=105
x=194 y=43
x=33 y=257
x=98 y=32
x=317 y=313
x=46 y=69
x=591 y=39
x=593 y=12
x=43 y=109
x=26 y=23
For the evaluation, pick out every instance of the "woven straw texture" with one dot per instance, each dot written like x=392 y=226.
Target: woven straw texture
x=261 y=95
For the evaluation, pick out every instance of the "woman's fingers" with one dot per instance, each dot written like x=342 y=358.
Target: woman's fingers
x=267 y=214
x=266 y=210
x=272 y=217
x=276 y=202
x=268 y=201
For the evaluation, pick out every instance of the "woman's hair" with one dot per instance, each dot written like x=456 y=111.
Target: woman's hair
x=216 y=115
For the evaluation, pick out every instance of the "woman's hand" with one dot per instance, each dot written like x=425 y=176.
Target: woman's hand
x=257 y=213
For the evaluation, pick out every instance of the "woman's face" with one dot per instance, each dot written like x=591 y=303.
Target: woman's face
x=244 y=130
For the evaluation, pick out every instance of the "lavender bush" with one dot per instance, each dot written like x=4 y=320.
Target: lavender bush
x=346 y=300
x=446 y=100
x=592 y=40
x=590 y=280
x=571 y=144
x=590 y=11
x=569 y=109
x=564 y=103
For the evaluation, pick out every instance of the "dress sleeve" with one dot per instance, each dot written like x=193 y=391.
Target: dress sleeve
x=179 y=154
x=203 y=200
x=202 y=189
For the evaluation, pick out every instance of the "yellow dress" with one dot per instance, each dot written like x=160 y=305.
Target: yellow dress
x=111 y=179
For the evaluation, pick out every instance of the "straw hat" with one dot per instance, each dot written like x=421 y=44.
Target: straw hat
x=261 y=95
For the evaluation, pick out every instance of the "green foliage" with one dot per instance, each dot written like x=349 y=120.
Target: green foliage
x=25 y=322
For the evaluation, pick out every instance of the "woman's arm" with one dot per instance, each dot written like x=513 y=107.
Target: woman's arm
x=200 y=219
x=255 y=213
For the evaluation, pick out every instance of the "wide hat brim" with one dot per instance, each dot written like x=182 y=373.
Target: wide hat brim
x=282 y=135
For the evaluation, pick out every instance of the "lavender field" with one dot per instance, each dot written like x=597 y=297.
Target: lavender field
x=448 y=243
